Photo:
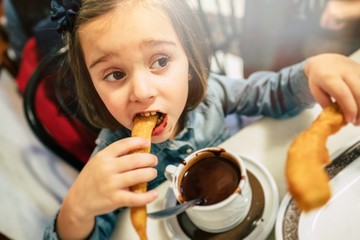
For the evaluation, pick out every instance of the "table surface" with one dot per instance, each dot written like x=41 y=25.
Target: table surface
x=265 y=141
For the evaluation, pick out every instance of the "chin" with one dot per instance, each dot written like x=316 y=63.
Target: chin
x=159 y=138
x=165 y=135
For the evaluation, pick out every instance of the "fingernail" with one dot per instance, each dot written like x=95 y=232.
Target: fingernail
x=351 y=120
x=155 y=194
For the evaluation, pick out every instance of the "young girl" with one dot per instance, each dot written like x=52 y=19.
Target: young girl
x=132 y=57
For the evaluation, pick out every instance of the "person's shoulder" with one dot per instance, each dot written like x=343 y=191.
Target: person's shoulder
x=217 y=77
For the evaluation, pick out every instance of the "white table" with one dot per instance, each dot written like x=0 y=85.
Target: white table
x=266 y=141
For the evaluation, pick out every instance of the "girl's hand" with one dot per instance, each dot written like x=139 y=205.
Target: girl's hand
x=103 y=185
x=336 y=77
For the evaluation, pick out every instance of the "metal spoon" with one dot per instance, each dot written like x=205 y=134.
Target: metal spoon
x=177 y=209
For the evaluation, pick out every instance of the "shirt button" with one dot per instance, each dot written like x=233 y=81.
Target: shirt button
x=189 y=150
x=172 y=145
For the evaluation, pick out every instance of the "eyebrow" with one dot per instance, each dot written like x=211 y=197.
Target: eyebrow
x=154 y=43
x=147 y=43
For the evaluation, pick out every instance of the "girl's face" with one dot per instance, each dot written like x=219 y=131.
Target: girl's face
x=137 y=65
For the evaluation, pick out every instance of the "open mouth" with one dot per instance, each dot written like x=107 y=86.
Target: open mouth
x=161 y=116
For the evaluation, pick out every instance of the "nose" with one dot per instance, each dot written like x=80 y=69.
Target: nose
x=143 y=89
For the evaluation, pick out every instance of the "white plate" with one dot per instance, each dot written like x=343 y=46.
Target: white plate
x=337 y=219
x=261 y=226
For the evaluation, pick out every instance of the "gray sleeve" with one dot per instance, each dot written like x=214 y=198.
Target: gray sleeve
x=275 y=94
x=104 y=226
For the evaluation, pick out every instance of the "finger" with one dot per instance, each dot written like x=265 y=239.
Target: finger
x=135 y=161
x=331 y=22
x=321 y=96
x=131 y=178
x=342 y=93
x=126 y=145
x=353 y=82
x=348 y=107
x=131 y=199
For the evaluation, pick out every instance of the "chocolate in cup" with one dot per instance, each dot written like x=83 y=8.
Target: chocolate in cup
x=212 y=179
x=218 y=177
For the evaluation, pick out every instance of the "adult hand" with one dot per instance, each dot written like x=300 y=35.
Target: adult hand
x=338 y=13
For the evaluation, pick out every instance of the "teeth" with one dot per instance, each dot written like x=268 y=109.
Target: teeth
x=148 y=114
x=161 y=118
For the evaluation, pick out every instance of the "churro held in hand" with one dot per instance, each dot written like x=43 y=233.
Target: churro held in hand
x=307 y=179
x=143 y=127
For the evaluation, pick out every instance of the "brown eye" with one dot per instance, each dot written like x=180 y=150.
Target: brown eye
x=116 y=75
x=160 y=63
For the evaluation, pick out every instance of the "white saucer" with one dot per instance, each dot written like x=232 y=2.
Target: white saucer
x=260 y=227
x=337 y=219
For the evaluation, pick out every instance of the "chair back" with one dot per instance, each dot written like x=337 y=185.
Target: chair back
x=52 y=112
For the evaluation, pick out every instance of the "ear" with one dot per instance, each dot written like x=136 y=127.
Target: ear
x=190 y=77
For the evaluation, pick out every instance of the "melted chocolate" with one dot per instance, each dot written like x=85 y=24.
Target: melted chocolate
x=253 y=218
x=212 y=179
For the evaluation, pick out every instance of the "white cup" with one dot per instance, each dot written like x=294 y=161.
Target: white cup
x=229 y=197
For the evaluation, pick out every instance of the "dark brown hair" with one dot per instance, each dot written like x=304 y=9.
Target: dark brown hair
x=188 y=29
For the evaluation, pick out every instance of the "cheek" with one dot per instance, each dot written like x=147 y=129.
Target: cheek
x=180 y=95
x=106 y=94
x=185 y=90
x=182 y=79
x=178 y=87
x=113 y=101
x=118 y=109
x=184 y=86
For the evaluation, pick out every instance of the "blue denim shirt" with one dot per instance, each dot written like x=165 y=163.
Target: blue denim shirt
x=279 y=95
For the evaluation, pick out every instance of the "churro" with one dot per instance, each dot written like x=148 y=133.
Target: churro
x=308 y=182
x=143 y=127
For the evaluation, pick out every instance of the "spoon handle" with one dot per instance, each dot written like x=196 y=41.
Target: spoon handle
x=177 y=209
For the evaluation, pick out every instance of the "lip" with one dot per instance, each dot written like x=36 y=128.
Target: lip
x=159 y=128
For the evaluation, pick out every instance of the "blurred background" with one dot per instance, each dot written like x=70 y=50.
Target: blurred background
x=43 y=145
